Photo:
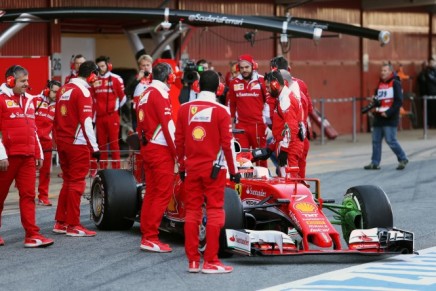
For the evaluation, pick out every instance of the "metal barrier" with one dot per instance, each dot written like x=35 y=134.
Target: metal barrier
x=425 y=115
x=353 y=101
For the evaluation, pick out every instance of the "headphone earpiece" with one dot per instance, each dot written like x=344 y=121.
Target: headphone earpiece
x=109 y=66
x=46 y=92
x=171 y=78
x=10 y=81
x=196 y=86
x=220 y=90
x=72 y=66
x=274 y=85
x=91 y=78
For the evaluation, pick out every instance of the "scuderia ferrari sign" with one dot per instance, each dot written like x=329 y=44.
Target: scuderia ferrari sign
x=215 y=19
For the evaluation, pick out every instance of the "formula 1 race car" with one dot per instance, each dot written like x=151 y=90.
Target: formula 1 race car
x=265 y=215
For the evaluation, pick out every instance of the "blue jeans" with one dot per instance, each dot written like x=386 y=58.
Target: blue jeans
x=390 y=135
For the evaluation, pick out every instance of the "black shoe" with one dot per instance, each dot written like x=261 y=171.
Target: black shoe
x=402 y=164
x=372 y=167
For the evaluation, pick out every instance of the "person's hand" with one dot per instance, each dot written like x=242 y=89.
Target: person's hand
x=282 y=158
x=141 y=74
x=182 y=176
x=4 y=164
x=236 y=178
x=96 y=155
x=383 y=114
x=39 y=163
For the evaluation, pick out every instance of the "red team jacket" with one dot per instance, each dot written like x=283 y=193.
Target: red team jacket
x=108 y=93
x=204 y=135
x=73 y=116
x=17 y=125
x=287 y=114
x=44 y=117
x=155 y=121
x=247 y=99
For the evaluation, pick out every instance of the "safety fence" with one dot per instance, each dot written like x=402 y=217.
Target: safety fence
x=355 y=114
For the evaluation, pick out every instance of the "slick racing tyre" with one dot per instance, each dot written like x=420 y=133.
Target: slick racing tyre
x=367 y=206
x=234 y=219
x=113 y=201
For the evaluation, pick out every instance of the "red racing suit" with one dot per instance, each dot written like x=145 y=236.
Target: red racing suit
x=20 y=146
x=299 y=88
x=287 y=115
x=109 y=97
x=74 y=138
x=156 y=127
x=44 y=116
x=247 y=101
x=204 y=139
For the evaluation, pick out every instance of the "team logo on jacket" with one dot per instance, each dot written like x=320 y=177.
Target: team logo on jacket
x=63 y=110
x=66 y=95
x=198 y=133
x=200 y=113
x=238 y=87
x=11 y=104
x=141 y=115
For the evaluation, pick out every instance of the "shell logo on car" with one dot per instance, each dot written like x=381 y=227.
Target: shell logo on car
x=305 y=207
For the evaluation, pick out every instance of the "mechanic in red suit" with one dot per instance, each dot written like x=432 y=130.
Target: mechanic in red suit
x=156 y=129
x=299 y=88
x=45 y=105
x=247 y=96
x=20 y=152
x=76 y=61
x=286 y=123
x=204 y=146
x=109 y=97
x=74 y=138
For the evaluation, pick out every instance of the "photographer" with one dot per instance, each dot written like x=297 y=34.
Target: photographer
x=190 y=75
x=387 y=103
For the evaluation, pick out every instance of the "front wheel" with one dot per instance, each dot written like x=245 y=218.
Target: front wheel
x=234 y=218
x=367 y=206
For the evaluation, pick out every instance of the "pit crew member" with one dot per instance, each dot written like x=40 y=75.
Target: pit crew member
x=247 y=96
x=109 y=97
x=204 y=144
x=74 y=138
x=286 y=123
x=20 y=152
x=45 y=105
x=300 y=89
x=156 y=128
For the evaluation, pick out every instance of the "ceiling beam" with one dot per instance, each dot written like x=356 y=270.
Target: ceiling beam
x=391 y=4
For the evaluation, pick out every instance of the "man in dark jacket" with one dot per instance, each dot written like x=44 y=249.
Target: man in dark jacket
x=386 y=117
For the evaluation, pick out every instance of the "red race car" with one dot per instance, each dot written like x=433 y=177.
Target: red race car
x=265 y=215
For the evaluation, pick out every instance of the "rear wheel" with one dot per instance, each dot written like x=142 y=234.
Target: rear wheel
x=367 y=206
x=113 y=203
x=234 y=218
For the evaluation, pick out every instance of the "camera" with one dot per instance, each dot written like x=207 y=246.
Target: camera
x=190 y=74
x=375 y=102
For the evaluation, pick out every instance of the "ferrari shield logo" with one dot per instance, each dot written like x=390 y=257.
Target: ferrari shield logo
x=194 y=110
x=63 y=110
x=141 y=115
x=238 y=188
